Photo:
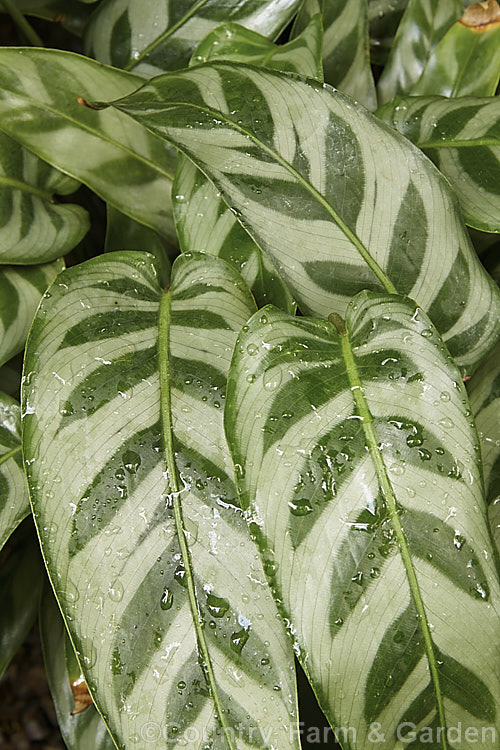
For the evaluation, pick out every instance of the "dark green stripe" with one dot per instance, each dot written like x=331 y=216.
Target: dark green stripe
x=199 y=318
x=197 y=290
x=110 y=324
x=199 y=381
x=408 y=243
x=129 y=288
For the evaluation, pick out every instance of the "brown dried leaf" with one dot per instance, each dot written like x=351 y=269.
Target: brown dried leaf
x=481 y=16
x=81 y=695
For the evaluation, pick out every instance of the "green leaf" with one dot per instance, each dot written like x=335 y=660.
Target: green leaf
x=21 y=575
x=20 y=290
x=423 y=25
x=39 y=108
x=462 y=137
x=161 y=586
x=484 y=395
x=14 y=499
x=466 y=62
x=346 y=58
x=337 y=200
x=359 y=470
x=150 y=37
x=384 y=17
x=33 y=227
x=203 y=221
x=82 y=731
x=123 y=233
x=70 y=13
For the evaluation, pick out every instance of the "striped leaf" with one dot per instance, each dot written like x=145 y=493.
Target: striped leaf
x=466 y=62
x=39 y=108
x=81 y=731
x=20 y=290
x=484 y=394
x=14 y=500
x=152 y=36
x=462 y=137
x=338 y=201
x=346 y=58
x=21 y=575
x=131 y=480
x=203 y=221
x=358 y=466
x=33 y=227
x=423 y=25
x=384 y=17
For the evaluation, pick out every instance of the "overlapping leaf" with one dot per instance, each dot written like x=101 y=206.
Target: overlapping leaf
x=152 y=36
x=346 y=58
x=484 y=394
x=81 y=731
x=131 y=480
x=33 y=228
x=337 y=201
x=462 y=137
x=466 y=62
x=203 y=221
x=14 y=500
x=358 y=465
x=423 y=25
x=41 y=92
x=384 y=17
x=21 y=288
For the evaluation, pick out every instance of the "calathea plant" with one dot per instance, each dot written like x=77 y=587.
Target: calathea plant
x=244 y=434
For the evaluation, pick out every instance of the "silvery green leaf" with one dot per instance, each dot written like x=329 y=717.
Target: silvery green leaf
x=42 y=93
x=132 y=484
x=337 y=200
x=358 y=465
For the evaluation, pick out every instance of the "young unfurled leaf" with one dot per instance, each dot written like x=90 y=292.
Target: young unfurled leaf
x=359 y=468
x=337 y=201
x=152 y=36
x=132 y=484
x=41 y=95
x=462 y=137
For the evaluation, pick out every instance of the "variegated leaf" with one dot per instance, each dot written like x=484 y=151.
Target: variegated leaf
x=152 y=36
x=21 y=575
x=358 y=465
x=21 y=288
x=346 y=58
x=484 y=394
x=33 y=227
x=14 y=499
x=462 y=137
x=203 y=221
x=81 y=731
x=466 y=62
x=423 y=25
x=131 y=480
x=338 y=201
x=41 y=96
x=384 y=17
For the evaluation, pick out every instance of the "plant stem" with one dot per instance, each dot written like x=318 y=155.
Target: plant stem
x=21 y=22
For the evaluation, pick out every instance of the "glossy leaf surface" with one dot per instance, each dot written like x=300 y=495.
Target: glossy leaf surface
x=14 y=500
x=21 y=575
x=161 y=585
x=152 y=36
x=203 y=221
x=83 y=731
x=21 y=288
x=359 y=468
x=123 y=164
x=339 y=202
x=466 y=62
x=462 y=137
x=33 y=227
x=423 y=25
x=346 y=58
x=484 y=394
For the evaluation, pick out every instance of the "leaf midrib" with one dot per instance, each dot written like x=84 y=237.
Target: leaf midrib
x=391 y=503
x=11 y=182
x=175 y=488
x=9 y=454
x=351 y=236
x=470 y=143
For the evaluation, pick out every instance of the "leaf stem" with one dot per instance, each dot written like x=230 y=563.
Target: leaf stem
x=9 y=454
x=23 y=25
x=175 y=488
